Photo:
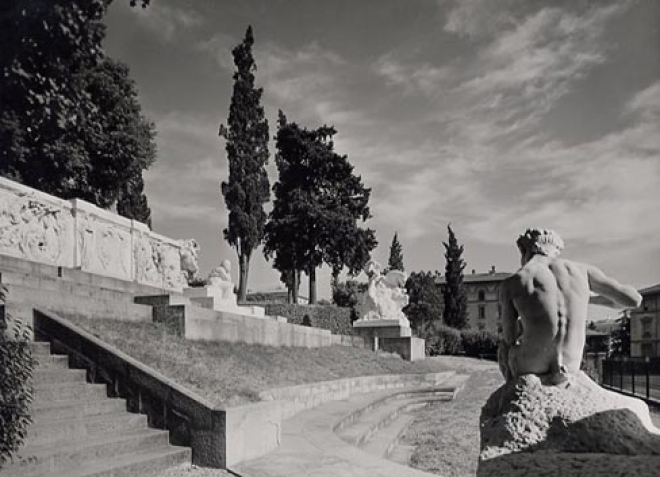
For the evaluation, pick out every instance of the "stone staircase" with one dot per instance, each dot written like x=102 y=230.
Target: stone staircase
x=78 y=431
x=378 y=427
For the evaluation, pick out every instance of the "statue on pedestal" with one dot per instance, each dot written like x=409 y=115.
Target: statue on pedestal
x=385 y=296
x=220 y=281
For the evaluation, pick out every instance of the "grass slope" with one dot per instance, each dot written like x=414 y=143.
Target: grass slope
x=234 y=373
x=446 y=436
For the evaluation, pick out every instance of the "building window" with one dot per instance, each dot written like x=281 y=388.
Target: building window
x=647 y=349
x=499 y=328
x=482 y=326
x=647 y=324
x=482 y=311
x=499 y=311
x=482 y=295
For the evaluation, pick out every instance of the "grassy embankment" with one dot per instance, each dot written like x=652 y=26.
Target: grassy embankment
x=234 y=373
x=446 y=436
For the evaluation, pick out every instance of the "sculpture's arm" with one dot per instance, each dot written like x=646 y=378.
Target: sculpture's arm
x=510 y=330
x=612 y=293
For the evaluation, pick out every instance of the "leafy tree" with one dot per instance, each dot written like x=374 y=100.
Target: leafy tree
x=424 y=301
x=347 y=294
x=318 y=203
x=621 y=336
x=246 y=135
x=395 y=261
x=70 y=122
x=132 y=202
x=454 y=293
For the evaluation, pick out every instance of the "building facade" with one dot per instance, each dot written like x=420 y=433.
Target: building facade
x=645 y=324
x=483 y=307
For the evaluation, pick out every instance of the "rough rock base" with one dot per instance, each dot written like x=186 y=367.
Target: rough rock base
x=575 y=428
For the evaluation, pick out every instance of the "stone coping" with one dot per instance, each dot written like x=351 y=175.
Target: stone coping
x=378 y=323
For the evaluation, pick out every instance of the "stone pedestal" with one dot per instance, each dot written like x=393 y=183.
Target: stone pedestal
x=529 y=427
x=392 y=336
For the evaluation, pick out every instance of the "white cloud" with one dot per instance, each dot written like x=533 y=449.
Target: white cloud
x=646 y=103
x=479 y=18
x=166 y=22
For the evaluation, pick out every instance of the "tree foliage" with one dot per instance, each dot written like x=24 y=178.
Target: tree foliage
x=16 y=391
x=454 y=293
x=621 y=336
x=246 y=135
x=424 y=301
x=318 y=203
x=395 y=261
x=70 y=122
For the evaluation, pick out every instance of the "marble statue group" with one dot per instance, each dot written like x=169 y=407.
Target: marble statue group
x=386 y=295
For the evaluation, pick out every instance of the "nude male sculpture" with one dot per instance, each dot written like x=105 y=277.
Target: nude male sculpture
x=544 y=308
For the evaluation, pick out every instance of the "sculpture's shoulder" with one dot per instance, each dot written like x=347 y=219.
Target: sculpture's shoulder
x=512 y=282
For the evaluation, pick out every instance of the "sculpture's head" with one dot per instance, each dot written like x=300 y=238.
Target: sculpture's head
x=372 y=268
x=539 y=242
x=226 y=264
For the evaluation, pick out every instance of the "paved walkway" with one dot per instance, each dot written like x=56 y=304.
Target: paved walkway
x=311 y=448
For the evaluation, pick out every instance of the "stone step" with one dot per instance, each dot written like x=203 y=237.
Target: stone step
x=368 y=424
x=145 y=464
x=39 y=348
x=54 y=284
x=384 y=441
x=162 y=300
x=441 y=391
x=67 y=391
x=38 y=460
x=55 y=375
x=61 y=430
x=53 y=361
x=77 y=408
x=21 y=300
x=401 y=454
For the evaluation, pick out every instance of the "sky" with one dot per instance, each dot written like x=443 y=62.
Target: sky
x=489 y=116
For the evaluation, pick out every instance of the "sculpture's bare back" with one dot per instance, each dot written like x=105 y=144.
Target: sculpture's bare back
x=544 y=308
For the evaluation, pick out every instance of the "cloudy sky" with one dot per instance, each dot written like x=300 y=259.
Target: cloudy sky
x=491 y=116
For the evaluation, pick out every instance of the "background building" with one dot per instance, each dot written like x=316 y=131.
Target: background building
x=645 y=323
x=484 y=312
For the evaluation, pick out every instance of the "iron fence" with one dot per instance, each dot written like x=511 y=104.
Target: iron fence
x=637 y=376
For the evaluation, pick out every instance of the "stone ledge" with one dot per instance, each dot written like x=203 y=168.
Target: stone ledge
x=296 y=399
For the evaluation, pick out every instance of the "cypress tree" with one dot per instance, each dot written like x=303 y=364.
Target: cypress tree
x=246 y=135
x=454 y=293
x=396 y=255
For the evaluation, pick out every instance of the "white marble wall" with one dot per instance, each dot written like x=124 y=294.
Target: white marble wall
x=76 y=234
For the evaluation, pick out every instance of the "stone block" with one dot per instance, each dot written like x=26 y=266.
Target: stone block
x=409 y=348
x=252 y=430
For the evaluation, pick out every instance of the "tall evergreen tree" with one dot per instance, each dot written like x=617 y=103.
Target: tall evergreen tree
x=246 y=135
x=70 y=121
x=454 y=293
x=318 y=203
x=395 y=261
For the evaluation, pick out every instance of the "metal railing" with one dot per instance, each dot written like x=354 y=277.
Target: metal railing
x=636 y=376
